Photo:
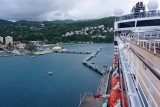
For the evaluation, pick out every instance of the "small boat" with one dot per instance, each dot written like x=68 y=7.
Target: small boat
x=49 y=73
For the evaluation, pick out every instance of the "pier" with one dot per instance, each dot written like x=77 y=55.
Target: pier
x=101 y=97
x=86 y=61
x=72 y=52
x=90 y=100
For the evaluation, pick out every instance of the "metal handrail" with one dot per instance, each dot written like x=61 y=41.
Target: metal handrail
x=151 y=96
x=150 y=66
x=146 y=77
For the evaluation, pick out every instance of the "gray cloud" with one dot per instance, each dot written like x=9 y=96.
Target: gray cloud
x=61 y=9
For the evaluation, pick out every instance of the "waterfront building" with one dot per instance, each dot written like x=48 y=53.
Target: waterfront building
x=8 y=40
x=1 y=39
x=99 y=36
x=20 y=45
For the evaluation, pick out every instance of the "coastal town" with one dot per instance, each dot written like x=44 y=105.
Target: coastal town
x=9 y=47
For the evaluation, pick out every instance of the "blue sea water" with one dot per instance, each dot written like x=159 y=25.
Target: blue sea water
x=24 y=81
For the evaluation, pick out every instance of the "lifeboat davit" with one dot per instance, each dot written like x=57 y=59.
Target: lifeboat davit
x=117 y=95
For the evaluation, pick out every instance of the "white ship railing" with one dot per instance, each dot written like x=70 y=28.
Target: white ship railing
x=133 y=65
x=132 y=93
x=149 y=41
x=136 y=67
x=139 y=15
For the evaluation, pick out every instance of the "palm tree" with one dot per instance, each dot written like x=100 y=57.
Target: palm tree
x=30 y=47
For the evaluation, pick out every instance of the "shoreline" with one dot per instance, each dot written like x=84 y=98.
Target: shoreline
x=3 y=56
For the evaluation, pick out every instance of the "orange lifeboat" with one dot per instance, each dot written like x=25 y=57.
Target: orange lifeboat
x=116 y=55
x=115 y=58
x=116 y=95
x=115 y=64
x=115 y=80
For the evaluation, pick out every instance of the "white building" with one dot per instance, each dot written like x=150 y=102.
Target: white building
x=99 y=36
x=20 y=45
x=1 y=39
x=8 y=40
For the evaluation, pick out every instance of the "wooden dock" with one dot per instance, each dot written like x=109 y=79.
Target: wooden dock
x=104 y=83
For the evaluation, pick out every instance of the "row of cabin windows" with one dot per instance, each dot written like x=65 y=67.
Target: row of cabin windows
x=141 y=23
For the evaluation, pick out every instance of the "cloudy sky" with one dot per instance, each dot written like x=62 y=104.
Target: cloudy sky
x=62 y=9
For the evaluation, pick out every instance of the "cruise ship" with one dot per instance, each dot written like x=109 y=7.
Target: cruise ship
x=135 y=78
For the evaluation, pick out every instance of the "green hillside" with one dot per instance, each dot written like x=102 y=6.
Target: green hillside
x=52 y=31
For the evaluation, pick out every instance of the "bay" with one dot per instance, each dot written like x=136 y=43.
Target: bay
x=24 y=81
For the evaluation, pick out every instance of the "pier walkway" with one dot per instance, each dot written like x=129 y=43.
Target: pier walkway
x=86 y=61
x=100 y=98
x=73 y=52
x=89 y=99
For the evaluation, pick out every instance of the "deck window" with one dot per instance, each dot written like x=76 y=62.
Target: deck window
x=126 y=24
x=155 y=22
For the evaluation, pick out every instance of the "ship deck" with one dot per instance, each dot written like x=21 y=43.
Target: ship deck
x=148 y=81
x=152 y=58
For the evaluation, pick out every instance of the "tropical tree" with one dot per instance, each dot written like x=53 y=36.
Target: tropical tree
x=30 y=47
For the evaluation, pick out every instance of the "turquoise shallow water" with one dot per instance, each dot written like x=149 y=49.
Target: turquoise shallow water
x=24 y=81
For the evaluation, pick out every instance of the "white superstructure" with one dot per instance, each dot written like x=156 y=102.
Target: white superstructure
x=137 y=37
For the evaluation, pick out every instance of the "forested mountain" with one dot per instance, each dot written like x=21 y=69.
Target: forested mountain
x=52 y=31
